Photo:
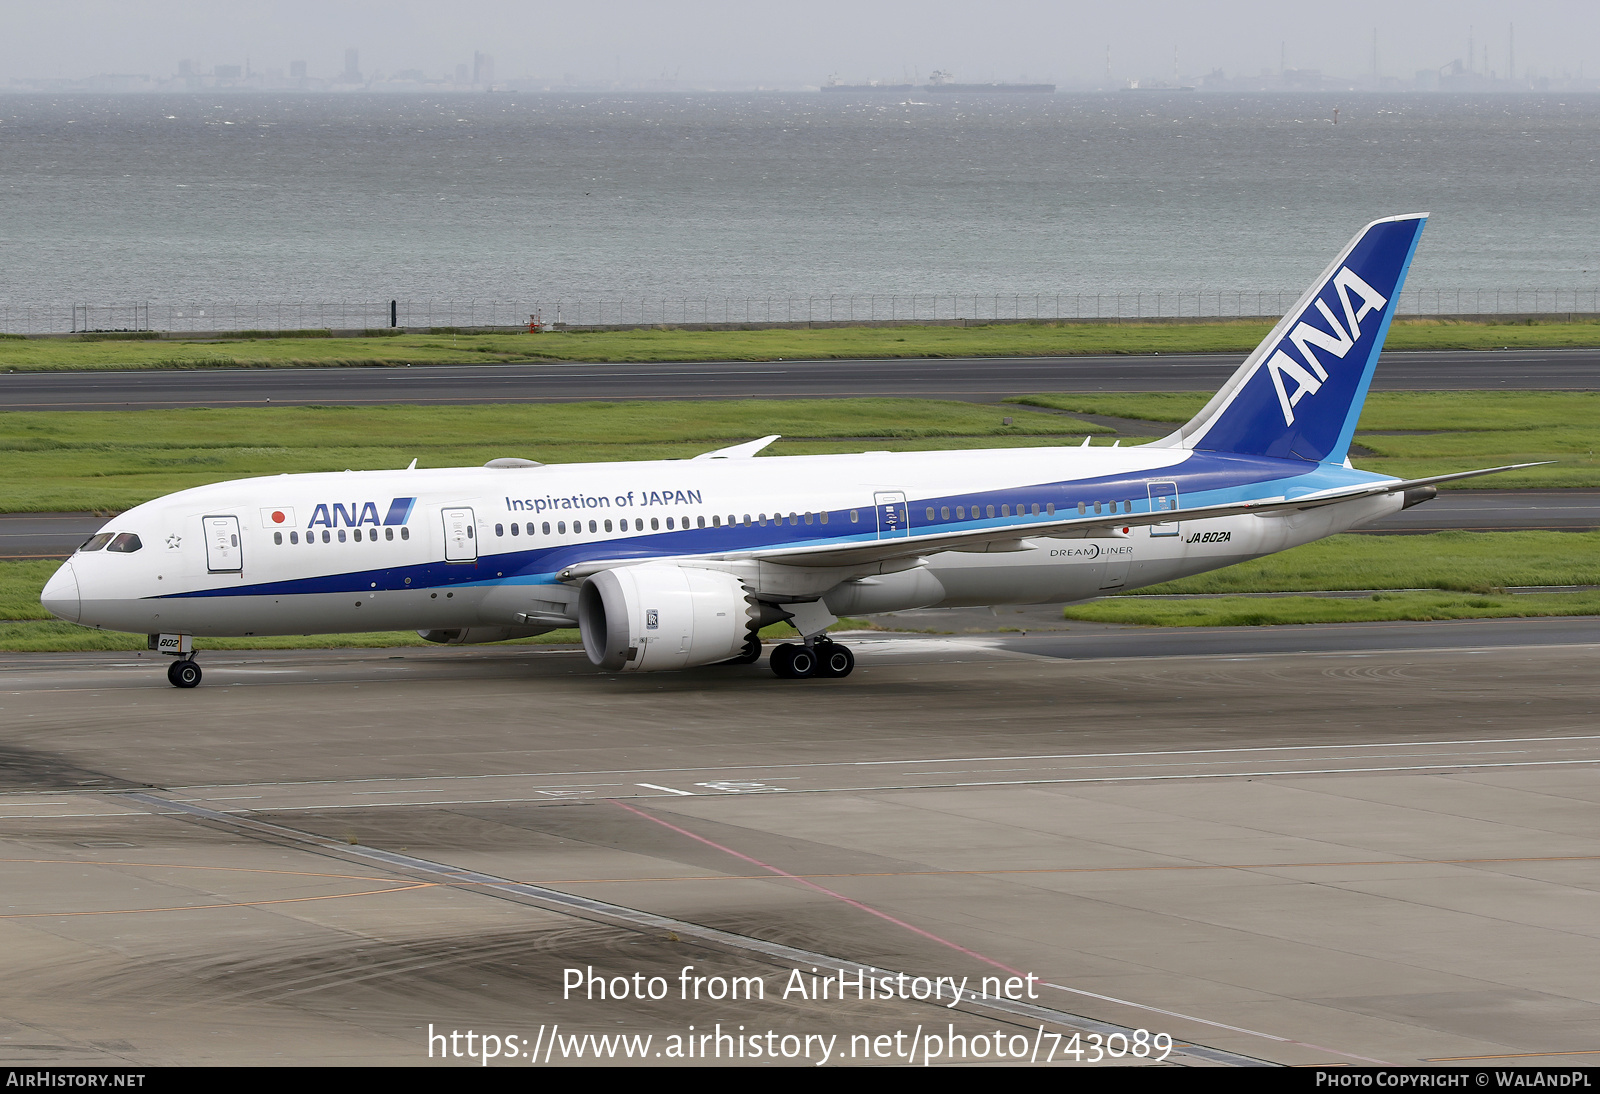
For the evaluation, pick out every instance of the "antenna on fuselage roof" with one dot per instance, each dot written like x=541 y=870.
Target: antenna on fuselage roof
x=412 y=466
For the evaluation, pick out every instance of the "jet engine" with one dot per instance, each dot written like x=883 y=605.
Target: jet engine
x=640 y=618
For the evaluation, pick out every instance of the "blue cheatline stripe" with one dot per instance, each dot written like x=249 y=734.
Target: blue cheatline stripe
x=1203 y=478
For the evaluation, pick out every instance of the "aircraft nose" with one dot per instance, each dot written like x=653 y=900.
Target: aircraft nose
x=60 y=594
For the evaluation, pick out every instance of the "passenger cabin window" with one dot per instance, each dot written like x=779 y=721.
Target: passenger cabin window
x=855 y=517
x=294 y=537
x=124 y=544
x=277 y=537
x=405 y=533
x=388 y=534
x=545 y=526
x=96 y=542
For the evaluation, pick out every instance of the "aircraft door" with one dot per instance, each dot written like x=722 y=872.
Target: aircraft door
x=460 y=536
x=1164 y=499
x=894 y=518
x=223 y=552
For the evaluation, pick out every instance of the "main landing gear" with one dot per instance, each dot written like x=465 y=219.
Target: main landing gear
x=184 y=673
x=821 y=657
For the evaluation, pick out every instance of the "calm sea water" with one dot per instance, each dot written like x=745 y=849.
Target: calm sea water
x=267 y=197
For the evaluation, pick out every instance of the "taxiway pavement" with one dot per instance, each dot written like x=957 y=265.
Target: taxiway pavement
x=1301 y=845
x=980 y=379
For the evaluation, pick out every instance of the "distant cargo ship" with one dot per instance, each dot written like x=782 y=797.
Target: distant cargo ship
x=940 y=82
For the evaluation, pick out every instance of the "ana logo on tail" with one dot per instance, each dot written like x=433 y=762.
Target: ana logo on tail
x=1308 y=378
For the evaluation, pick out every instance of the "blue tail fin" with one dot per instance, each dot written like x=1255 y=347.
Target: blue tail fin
x=1299 y=394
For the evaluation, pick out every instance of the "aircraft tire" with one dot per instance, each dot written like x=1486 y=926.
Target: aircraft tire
x=184 y=673
x=792 y=662
x=750 y=655
x=780 y=660
x=834 y=661
x=803 y=662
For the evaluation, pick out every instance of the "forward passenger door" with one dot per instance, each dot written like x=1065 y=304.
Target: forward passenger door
x=224 y=554
x=460 y=536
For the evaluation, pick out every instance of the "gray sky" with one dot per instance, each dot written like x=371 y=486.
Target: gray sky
x=794 y=43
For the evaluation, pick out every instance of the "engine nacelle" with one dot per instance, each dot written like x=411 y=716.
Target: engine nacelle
x=661 y=616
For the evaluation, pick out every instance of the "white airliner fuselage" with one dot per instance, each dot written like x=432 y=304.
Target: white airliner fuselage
x=341 y=574
x=673 y=564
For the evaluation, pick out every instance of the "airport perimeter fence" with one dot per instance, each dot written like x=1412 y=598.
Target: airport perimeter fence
x=751 y=311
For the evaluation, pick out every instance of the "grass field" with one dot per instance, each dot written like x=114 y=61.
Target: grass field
x=1461 y=575
x=115 y=459
x=1413 y=434
x=1458 y=561
x=1240 y=611
x=112 y=460
x=1025 y=339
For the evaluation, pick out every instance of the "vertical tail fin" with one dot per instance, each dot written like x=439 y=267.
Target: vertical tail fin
x=1298 y=395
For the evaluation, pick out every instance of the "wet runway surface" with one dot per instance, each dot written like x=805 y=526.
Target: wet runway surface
x=979 y=379
x=1297 y=845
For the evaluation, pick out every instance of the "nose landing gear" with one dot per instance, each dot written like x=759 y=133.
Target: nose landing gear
x=184 y=673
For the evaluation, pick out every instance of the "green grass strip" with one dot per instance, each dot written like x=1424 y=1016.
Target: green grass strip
x=1457 y=561
x=250 y=348
x=1240 y=611
x=1440 y=431
x=112 y=460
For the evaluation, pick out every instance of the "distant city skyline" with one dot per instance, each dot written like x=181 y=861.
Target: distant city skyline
x=694 y=44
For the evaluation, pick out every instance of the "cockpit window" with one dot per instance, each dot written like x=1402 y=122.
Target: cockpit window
x=125 y=544
x=94 y=543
